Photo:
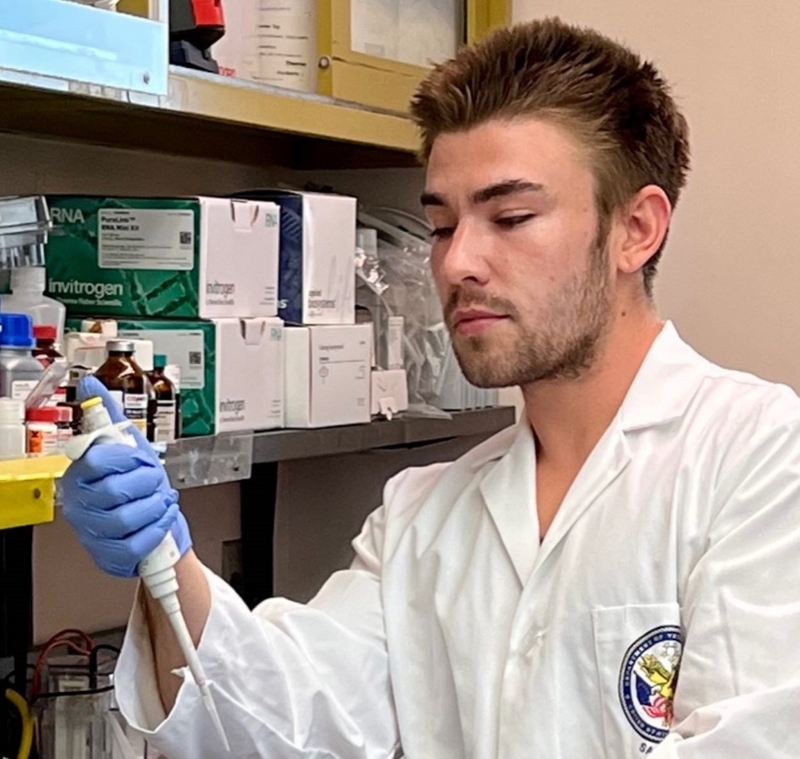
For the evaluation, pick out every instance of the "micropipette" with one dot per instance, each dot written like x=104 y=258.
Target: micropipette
x=157 y=569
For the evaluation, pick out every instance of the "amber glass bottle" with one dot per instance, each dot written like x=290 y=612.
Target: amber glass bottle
x=128 y=384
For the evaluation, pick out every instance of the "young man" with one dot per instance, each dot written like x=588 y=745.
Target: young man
x=617 y=576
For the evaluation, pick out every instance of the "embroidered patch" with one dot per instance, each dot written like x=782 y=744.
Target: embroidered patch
x=647 y=681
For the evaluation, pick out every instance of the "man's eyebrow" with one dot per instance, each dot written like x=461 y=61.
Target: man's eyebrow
x=503 y=189
x=431 y=199
x=485 y=194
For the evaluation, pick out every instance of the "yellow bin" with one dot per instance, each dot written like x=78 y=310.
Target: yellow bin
x=27 y=490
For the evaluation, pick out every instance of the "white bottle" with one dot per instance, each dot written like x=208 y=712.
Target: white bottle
x=27 y=297
x=12 y=429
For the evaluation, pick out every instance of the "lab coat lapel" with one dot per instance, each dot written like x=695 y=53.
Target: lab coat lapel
x=606 y=462
x=509 y=491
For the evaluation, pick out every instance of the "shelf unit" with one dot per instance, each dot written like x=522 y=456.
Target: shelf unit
x=200 y=461
x=225 y=119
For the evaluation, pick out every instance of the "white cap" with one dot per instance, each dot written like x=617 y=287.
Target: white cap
x=28 y=278
x=11 y=411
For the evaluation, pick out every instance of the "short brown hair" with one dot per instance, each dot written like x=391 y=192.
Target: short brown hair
x=617 y=105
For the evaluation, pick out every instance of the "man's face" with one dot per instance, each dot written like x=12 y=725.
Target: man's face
x=522 y=273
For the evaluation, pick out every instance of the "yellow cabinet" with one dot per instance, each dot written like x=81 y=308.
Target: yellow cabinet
x=379 y=62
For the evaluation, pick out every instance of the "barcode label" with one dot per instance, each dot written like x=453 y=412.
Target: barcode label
x=195 y=358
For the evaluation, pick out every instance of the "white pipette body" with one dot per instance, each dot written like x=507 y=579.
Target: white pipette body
x=157 y=569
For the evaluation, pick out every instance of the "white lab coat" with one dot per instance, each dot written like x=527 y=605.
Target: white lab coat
x=455 y=634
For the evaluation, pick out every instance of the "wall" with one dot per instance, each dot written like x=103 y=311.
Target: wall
x=730 y=272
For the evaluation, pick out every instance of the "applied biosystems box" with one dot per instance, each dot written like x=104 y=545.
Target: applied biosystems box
x=318 y=247
x=166 y=257
x=231 y=369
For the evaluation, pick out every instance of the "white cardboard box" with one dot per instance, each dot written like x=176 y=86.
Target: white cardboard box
x=249 y=374
x=328 y=375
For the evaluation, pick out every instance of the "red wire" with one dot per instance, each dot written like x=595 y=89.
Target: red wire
x=62 y=638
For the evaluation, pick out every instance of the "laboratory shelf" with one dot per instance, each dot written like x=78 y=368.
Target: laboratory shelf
x=209 y=116
x=27 y=490
x=198 y=461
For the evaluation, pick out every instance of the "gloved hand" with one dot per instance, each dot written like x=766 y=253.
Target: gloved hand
x=118 y=498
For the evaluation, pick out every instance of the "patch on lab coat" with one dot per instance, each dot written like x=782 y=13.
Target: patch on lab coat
x=647 y=681
x=636 y=646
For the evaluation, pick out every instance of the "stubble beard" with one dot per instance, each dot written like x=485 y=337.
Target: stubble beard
x=563 y=344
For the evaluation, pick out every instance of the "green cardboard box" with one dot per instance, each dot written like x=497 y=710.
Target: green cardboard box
x=231 y=369
x=191 y=258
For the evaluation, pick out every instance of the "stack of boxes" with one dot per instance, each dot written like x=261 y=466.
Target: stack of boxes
x=328 y=355
x=196 y=276
x=211 y=281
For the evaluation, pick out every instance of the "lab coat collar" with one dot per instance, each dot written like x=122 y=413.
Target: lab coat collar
x=661 y=392
x=665 y=384
x=509 y=491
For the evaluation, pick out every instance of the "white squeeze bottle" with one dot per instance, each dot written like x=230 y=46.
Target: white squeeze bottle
x=27 y=297
x=157 y=570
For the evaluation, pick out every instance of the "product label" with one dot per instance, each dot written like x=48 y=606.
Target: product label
x=21 y=389
x=145 y=239
x=42 y=442
x=135 y=405
x=165 y=422
x=286 y=49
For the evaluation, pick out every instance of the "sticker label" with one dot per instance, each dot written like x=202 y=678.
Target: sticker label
x=21 y=389
x=145 y=239
x=135 y=406
x=165 y=422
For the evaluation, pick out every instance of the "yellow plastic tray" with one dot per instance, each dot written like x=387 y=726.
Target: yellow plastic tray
x=27 y=490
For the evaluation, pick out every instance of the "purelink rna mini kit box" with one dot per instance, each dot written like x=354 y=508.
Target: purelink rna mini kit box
x=166 y=257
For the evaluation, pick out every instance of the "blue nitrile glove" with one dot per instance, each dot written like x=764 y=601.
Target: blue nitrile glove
x=118 y=498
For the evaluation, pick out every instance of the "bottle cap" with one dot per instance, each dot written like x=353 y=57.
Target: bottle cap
x=43 y=414
x=28 y=278
x=91 y=402
x=159 y=361
x=120 y=346
x=11 y=411
x=16 y=330
x=44 y=331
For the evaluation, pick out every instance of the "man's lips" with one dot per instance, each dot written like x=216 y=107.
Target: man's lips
x=473 y=321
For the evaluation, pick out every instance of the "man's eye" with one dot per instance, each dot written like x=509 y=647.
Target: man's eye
x=509 y=222
x=441 y=233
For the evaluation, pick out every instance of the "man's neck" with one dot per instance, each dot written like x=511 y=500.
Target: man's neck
x=569 y=416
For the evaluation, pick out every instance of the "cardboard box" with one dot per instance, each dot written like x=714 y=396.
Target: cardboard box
x=317 y=258
x=177 y=258
x=328 y=375
x=231 y=369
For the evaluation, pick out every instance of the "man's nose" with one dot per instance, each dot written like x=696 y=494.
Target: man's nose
x=466 y=257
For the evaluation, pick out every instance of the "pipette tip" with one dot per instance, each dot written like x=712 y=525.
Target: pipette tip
x=208 y=702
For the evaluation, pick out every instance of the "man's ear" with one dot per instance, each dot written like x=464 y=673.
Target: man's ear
x=644 y=220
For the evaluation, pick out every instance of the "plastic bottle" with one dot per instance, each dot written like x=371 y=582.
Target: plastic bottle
x=128 y=384
x=20 y=372
x=27 y=296
x=166 y=416
x=42 y=430
x=12 y=429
